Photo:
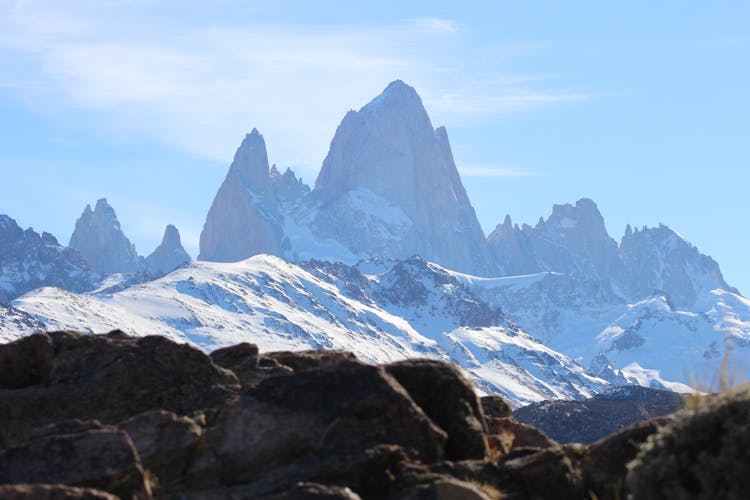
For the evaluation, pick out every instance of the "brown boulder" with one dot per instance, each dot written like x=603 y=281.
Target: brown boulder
x=543 y=474
x=52 y=492
x=300 y=491
x=164 y=441
x=313 y=491
x=518 y=435
x=445 y=488
x=306 y=360
x=314 y=425
x=603 y=463
x=27 y=362
x=495 y=406
x=251 y=368
x=102 y=458
x=701 y=454
x=447 y=396
x=109 y=378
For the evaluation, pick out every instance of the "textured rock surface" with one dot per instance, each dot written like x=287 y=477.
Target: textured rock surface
x=455 y=408
x=169 y=255
x=573 y=240
x=98 y=237
x=604 y=463
x=106 y=377
x=701 y=454
x=52 y=492
x=662 y=260
x=100 y=458
x=244 y=219
x=29 y=260
x=388 y=154
x=606 y=413
x=323 y=425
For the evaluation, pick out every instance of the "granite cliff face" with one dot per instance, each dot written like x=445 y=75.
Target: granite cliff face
x=243 y=219
x=574 y=241
x=168 y=256
x=29 y=260
x=100 y=240
x=388 y=188
x=658 y=260
x=388 y=162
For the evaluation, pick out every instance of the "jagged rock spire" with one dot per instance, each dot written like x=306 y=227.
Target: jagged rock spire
x=99 y=238
x=169 y=255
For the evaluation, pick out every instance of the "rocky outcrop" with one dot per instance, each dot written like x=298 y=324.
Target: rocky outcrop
x=29 y=260
x=597 y=417
x=573 y=240
x=244 y=217
x=87 y=416
x=660 y=261
x=389 y=166
x=168 y=256
x=64 y=375
x=52 y=492
x=703 y=454
x=388 y=188
x=98 y=237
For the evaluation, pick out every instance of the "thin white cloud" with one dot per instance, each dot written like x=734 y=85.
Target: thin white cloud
x=201 y=89
x=436 y=25
x=495 y=171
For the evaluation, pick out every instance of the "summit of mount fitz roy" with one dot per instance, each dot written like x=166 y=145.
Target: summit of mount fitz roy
x=557 y=310
x=388 y=188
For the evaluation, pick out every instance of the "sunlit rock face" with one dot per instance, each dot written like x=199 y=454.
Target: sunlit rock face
x=98 y=237
x=389 y=187
x=243 y=219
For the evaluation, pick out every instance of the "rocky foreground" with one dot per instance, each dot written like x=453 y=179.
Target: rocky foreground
x=105 y=416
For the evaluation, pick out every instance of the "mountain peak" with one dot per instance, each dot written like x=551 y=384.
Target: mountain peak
x=171 y=236
x=389 y=154
x=244 y=217
x=98 y=237
x=102 y=204
x=250 y=164
x=399 y=98
x=169 y=255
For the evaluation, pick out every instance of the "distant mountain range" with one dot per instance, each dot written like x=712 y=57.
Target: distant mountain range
x=385 y=257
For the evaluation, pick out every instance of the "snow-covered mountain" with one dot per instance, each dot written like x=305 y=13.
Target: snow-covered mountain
x=652 y=306
x=98 y=237
x=412 y=309
x=650 y=309
x=29 y=260
x=388 y=188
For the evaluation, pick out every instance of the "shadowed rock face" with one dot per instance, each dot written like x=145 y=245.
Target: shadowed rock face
x=100 y=240
x=29 y=260
x=702 y=454
x=388 y=153
x=597 y=417
x=66 y=375
x=169 y=255
x=145 y=417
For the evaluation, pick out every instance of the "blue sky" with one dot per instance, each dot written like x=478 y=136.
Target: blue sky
x=643 y=107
